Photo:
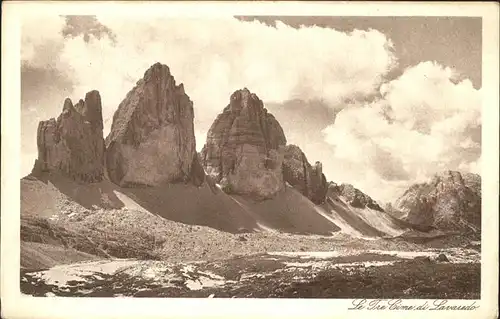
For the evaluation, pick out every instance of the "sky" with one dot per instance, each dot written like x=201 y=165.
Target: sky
x=382 y=102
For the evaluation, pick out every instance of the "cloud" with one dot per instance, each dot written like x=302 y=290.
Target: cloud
x=212 y=57
x=427 y=121
x=88 y=26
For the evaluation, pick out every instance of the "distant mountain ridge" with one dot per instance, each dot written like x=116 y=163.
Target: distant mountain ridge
x=449 y=201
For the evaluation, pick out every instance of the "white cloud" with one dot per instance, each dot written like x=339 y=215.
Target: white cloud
x=215 y=57
x=426 y=122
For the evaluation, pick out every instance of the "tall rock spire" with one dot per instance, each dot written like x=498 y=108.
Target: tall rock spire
x=306 y=178
x=73 y=144
x=245 y=148
x=152 y=136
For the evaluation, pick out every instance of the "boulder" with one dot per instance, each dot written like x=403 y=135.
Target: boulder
x=442 y=258
x=152 y=141
x=73 y=144
x=299 y=173
x=245 y=148
x=423 y=259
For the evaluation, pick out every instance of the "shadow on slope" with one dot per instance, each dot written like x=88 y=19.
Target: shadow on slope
x=39 y=256
x=193 y=205
x=48 y=192
x=289 y=212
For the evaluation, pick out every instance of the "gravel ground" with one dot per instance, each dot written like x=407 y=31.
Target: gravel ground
x=276 y=275
x=164 y=258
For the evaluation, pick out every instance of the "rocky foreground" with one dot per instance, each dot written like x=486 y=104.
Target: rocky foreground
x=127 y=253
x=454 y=274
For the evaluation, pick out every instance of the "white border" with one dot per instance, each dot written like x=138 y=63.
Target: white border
x=17 y=306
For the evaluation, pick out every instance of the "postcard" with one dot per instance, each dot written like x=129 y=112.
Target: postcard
x=253 y=159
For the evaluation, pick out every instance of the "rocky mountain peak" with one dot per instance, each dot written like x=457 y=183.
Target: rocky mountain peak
x=447 y=178
x=245 y=147
x=91 y=109
x=156 y=72
x=353 y=196
x=473 y=182
x=244 y=99
x=68 y=106
x=73 y=144
x=152 y=135
x=448 y=201
x=300 y=174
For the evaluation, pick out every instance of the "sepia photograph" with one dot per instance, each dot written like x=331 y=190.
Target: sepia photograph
x=253 y=156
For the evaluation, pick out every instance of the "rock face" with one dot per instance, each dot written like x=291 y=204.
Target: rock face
x=152 y=136
x=309 y=180
x=73 y=144
x=354 y=196
x=245 y=148
x=473 y=182
x=449 y=202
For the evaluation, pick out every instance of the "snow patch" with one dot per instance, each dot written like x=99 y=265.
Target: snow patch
x=197 y=280
x=403 y=254
x=309 y=254
x=365 y=264
x=298 y=264
x=187 y=268
x=129 y=203
x=314 y=265
x=203 y=282
x=250 y=276
x=60 y=275
x=211 y=275
x=454 y=255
